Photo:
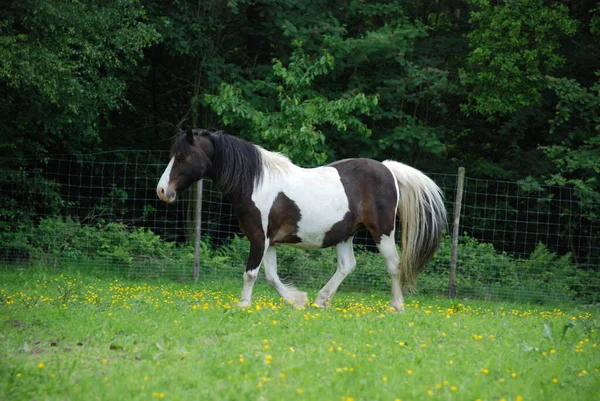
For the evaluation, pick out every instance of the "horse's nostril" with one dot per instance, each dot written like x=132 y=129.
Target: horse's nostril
x=162 y=191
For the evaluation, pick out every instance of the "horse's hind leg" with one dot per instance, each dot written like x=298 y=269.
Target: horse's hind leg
x=290 y=294
x=346 y=263
x=387 y=248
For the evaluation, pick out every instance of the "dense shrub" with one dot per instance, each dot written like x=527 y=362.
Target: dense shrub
x=481 y=271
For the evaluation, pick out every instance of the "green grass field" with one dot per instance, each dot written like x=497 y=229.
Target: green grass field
x=78 y=337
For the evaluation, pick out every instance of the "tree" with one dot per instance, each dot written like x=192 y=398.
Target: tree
x=293 y=125
x=514 y=44
x=64 y=65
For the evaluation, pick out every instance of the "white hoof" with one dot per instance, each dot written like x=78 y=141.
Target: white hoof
x=322 y=302
x=243 y=304
x=300 y=299
x=397 y=307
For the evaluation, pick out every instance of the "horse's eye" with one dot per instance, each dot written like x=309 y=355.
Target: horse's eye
x=180 y=157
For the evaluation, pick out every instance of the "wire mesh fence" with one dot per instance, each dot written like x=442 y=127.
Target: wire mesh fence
x=518 y=240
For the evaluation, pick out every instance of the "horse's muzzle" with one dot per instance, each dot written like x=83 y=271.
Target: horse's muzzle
x=165 y=195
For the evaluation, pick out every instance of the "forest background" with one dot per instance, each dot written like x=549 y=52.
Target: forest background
x=508 y=89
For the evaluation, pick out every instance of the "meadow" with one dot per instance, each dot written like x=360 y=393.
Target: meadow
x=78 y=336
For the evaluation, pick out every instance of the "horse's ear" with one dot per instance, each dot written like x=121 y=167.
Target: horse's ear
x=189 y=134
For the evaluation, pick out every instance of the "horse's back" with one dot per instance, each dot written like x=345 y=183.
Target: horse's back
x=323 y=206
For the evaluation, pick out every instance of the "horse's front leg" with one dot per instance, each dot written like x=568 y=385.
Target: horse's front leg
x=257 y=251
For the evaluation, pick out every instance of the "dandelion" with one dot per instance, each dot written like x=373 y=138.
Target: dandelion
x=282 y=375
x=41 y=365
x=409 y=371
x=384 y=379
x=19 y=375
x=454 y=388
x=105 y=361
x=555 y=380
x=299 y=391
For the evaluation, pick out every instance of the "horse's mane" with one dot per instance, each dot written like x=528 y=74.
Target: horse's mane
x=238 y=164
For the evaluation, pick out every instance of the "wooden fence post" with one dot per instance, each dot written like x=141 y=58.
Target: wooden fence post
x=197 y=231
x=460 y=182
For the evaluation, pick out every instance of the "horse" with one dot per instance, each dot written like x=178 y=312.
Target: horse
x=280 y=203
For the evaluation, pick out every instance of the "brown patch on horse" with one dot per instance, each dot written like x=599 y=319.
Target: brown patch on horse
x=251 y=225
x=283 y=221
x=371 y=191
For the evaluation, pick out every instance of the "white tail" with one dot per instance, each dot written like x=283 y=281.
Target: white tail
x=423 y=217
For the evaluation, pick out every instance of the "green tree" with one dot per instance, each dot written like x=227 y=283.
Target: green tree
x=293 y=125
x=514 y=45
x=64 y=65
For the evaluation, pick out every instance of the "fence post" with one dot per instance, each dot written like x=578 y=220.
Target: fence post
x=460 y=182
x=197 y=231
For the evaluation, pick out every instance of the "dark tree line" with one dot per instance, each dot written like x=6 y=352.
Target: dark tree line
x=508 y=89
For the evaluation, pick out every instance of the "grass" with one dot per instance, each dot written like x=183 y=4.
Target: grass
x=80 y=337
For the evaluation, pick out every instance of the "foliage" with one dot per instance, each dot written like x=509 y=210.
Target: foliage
x=66 y=239
x=293 y=127
x=577 y=124
x=64 y=65
x=514 y=45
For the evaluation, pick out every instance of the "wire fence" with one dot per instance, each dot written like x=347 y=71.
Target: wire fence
x=518 y=240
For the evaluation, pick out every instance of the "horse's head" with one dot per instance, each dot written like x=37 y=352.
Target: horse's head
x=192 y=154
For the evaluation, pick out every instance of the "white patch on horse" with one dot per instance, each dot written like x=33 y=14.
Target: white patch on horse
x=163 y=184
x=318 y=193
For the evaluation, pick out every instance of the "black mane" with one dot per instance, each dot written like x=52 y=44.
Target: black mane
x=237 y=164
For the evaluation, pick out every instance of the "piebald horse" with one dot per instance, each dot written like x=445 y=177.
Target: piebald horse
x=277 y=202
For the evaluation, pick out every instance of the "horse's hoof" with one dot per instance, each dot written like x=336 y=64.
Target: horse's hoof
x=322 y=303
x=397 y=308
x=300 y=300
x=243 y=305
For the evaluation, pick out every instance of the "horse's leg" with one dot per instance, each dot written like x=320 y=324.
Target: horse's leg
x=346 y=263
x=387 y=248
x=290 y=294
x=257 y=251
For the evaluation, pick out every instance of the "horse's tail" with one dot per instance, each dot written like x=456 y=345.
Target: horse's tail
x=423 y=217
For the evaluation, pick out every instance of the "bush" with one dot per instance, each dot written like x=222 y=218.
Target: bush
x=481 y=271
x=69 y=239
